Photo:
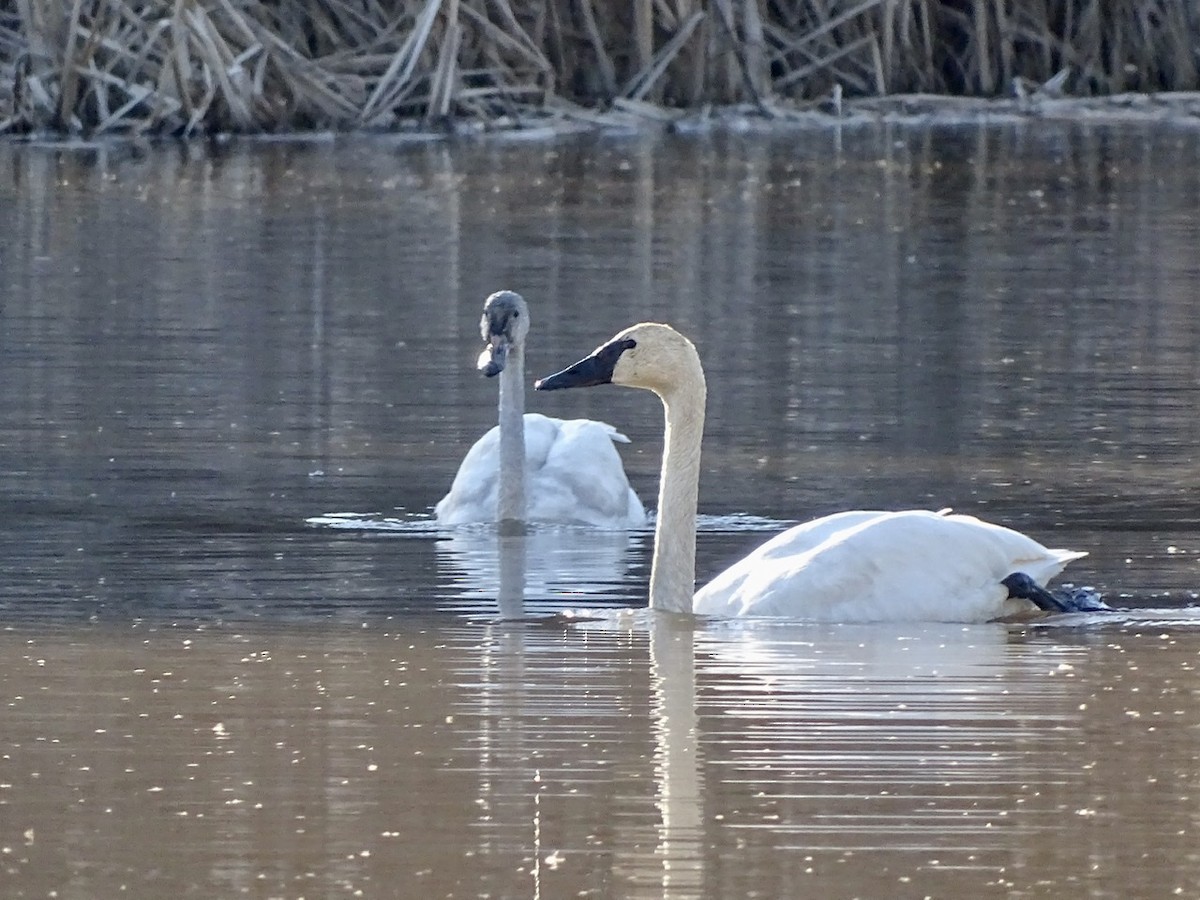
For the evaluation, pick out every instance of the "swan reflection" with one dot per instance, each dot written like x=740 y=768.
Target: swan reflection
x=543 y=569
x=710 y=742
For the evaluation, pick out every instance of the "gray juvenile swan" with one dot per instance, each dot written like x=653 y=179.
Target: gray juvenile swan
x=859 y=566
x=530 y=467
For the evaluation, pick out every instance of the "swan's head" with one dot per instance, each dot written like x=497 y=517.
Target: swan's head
x=651 y=356
x=504 y=325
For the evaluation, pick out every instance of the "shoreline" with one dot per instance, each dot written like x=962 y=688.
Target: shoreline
x=559 y=118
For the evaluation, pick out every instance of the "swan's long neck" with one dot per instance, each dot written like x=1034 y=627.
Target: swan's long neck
x=510 y=506
x=673 y=573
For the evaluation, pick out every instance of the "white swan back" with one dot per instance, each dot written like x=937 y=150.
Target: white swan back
x=573 y=476
x=867 y=566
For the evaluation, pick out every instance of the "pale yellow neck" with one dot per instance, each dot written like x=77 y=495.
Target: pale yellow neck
x=673 y=573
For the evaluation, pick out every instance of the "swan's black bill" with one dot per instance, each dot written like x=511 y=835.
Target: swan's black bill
x=494 y=357
x=589 y=371
x=1059 y=600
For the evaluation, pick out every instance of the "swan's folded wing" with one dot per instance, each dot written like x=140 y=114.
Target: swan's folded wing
x=541 y=433
x=728 y=593
x=573 y=475
x=472 y=496
x=579 y=477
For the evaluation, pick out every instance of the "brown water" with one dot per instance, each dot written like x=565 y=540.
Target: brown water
x=205 y=347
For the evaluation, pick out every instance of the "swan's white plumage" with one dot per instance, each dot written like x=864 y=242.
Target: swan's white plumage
x=867 y=566
x=573 y=476
x=857 y=566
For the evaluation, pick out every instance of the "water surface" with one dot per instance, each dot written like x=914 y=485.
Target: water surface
x=203 y=348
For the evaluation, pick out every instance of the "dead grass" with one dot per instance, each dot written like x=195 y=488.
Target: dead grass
x=191 y=66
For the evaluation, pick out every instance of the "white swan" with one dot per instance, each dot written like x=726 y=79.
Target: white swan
x=860 y=566
x=530 y=467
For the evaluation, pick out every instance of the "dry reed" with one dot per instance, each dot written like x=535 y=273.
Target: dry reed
x=193 y=66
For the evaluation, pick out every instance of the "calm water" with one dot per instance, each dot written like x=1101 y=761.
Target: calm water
x=205 y=347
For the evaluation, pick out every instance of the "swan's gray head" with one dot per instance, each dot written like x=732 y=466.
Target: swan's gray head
x=504 y=325
x=650 y=355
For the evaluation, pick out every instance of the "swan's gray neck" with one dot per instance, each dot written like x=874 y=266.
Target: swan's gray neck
x=673 y=573
x=510 y=505
x=511 y=596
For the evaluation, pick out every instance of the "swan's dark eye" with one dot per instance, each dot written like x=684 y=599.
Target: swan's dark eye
x=606 y=357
